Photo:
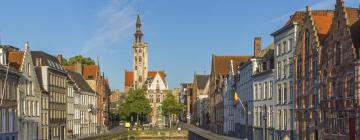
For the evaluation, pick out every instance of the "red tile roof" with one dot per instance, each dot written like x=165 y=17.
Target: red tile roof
x=15 y=59
x=87 y=70
x=221 y=64
x=129 y=76
x=299 y=16
x=322 y=25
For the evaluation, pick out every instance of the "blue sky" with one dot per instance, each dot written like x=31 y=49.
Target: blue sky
x=182 y=35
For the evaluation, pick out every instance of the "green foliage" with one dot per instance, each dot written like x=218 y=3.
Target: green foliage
x=135 y=104
x=79 y=58
x=170 y=105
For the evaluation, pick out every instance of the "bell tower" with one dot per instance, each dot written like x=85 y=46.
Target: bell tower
x=140 y=57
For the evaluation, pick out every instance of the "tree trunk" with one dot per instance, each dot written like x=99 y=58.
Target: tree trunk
x=137 y=121
x=171 y=118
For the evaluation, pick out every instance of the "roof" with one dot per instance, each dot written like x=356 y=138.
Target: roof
x=80 y=82
x=15 y=59
x=201 y=80
x=322 y=25
x=299 y=16
x=129 y=76
x=87 y=70
x=221 y=64
x=47 y=60
x=354 y=23
x=267 y=51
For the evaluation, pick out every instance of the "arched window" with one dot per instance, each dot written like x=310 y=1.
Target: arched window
x=338 y=52
x=307 y=52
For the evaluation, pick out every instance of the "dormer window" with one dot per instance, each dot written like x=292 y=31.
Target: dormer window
x=90 y=77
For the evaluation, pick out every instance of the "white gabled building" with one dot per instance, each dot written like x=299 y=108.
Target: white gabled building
x=29 y=96
x=156 y=89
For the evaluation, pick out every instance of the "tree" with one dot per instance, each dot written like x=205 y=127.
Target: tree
x=170 y=106
x=79 y=58
x=135 y=105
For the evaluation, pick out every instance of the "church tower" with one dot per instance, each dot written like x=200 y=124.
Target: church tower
x=140 y=54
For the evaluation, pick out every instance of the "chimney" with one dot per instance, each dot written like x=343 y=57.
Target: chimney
x=257 y=46
x=78 y=67
x=60 y=58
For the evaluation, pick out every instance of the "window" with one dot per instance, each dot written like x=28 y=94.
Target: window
x=284 y=47
x=285 y=93
x=279 y=93
x=157 y=98
x=260 y=91
x=266 y=91
x=90 y=77
x=279 y=69
x=338 y=52
x=271 y=89
x=28 y=69
x=151 y=98
x=351 y=87
x=307 y=41
x=284 y=68
x=291 y=43
x=291 y=91
x=307 y=52
x=255 y=91
x=285 y=118
x=279 y=119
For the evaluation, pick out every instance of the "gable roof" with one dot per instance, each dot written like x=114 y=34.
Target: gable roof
x=129 y=76
x=87 y=70
x=201 y=80
x=47 y=60
x=322 y=25
x=15 y=59
x=299 y=16
x=221 y=64
x=80 y=82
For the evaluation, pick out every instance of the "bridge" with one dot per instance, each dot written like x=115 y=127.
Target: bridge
x=189 y=132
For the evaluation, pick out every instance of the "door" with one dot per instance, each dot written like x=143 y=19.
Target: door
x=351 y=129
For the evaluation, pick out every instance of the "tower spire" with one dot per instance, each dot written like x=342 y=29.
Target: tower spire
x=138 y=33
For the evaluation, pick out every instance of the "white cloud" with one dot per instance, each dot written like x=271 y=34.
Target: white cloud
x=116 y=20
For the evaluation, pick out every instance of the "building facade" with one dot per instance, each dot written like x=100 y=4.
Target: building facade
x=306 y=59
x=220 y=67
x=9 y=79
x=284 y=41
x=263 y=102
x=53 y=80
x=340 y=52
x=29 y=94
x=200 y=98
x=100 y=85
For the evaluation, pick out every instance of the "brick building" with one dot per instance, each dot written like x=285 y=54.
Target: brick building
x=338 y=100
x=311 y=38
x=220 y=67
